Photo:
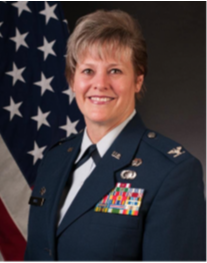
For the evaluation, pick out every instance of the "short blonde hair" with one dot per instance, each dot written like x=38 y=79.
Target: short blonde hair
x=115 y=30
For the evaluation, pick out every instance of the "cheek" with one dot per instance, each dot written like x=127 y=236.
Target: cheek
x=80 y=88
x=126 y=93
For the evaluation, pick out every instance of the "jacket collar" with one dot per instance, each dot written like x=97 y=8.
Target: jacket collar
x=104 y=144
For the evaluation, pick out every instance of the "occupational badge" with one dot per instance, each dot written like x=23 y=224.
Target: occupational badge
x=137 y=162
x=128 y=174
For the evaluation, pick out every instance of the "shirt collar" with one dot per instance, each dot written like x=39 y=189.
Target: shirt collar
x=104 y=144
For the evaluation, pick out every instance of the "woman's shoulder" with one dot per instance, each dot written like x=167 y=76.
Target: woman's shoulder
x=60 y=147
x=172 y=150
x=66 y=139
x=170 y=158
x=62 y=141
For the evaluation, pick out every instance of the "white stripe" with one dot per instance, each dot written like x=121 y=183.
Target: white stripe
x=1 y=257
x=14 y=190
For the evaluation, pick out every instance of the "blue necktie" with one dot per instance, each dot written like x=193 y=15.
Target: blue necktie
x=90 y=152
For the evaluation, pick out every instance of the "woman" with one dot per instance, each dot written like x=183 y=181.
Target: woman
x=117 y=191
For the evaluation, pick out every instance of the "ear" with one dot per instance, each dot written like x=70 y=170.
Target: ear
x=139 y=82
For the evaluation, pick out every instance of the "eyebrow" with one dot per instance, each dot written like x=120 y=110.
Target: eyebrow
x=110 y=65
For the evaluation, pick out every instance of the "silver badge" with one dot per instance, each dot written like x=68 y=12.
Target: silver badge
x=137 y=162
x=176 y=151
x=128 y=174
x=116 y=155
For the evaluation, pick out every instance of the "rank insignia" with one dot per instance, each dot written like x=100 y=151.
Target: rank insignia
x=121 y=200
x=176 y=151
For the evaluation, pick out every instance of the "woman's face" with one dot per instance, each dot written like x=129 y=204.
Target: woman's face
x=105 y=88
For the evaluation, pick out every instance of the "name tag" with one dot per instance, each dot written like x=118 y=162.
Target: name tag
x=36 y=201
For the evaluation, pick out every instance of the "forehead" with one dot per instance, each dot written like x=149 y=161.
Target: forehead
x=105 y=52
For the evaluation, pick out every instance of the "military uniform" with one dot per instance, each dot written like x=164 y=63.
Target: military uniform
x=167 y=223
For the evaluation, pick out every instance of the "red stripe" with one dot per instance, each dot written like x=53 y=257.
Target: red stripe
x=12 y=243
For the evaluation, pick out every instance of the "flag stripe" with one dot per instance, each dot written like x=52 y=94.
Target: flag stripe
x=14 y=190
x=1 y=257
x=12 y=243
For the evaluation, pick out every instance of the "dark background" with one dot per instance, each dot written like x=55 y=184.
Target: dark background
x=175 y=32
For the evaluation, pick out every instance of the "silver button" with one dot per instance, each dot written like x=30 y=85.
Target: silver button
x=151 y=135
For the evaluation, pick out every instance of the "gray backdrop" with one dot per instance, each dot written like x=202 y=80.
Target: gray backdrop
x=174 y=104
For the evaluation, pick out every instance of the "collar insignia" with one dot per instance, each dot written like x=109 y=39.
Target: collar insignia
x=116 y=155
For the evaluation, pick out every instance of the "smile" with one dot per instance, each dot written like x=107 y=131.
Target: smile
x=100 y=100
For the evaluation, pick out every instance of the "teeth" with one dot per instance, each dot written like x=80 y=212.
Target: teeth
x=100 y=99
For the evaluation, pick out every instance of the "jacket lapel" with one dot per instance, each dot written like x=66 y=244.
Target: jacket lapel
x=102 y=180
x=60 y=178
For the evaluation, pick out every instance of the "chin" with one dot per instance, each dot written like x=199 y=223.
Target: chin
x=98 y=119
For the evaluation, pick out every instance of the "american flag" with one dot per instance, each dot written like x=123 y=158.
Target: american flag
x=37 y=107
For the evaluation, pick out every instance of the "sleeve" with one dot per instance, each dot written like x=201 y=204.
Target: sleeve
x=175 y=223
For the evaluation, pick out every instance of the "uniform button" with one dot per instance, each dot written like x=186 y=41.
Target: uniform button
x=151 y=135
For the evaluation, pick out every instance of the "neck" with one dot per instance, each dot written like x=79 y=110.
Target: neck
x=96 y=131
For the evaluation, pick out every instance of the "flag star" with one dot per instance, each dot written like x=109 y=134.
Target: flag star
x=37 y=152
x=21 y=5
x=19 y=39
x=16 y=74
x=44 y=83
x=41 y=118
x=70 y=127
x=49 y=12
x=47 y=48
x=13 y=108
x=70 y=93
x=0 y=26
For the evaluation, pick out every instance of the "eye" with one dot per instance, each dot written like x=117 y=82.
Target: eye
x=115 y=71
x=87 y=71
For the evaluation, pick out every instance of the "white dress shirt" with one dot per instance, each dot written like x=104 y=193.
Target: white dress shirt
x=81 y=173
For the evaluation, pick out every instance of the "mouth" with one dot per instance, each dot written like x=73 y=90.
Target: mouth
x=100 y=99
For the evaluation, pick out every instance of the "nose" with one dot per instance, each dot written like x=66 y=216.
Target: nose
x=101 y=81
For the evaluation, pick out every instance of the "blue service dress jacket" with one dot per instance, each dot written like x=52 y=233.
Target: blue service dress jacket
x=170 y=224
